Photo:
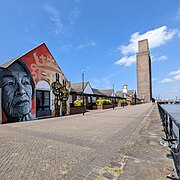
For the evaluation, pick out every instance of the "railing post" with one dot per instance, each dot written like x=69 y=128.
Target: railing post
x=178 y=156
x=166 y=125
x=178 y=141
x=171 y=127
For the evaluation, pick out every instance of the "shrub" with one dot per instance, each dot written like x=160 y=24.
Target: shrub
x=103 y=101
x=122 y=101
x=78 y=102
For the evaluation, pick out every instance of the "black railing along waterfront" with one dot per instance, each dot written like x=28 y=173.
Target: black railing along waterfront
x=172 y=132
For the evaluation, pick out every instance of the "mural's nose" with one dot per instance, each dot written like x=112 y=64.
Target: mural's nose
x=20 y=90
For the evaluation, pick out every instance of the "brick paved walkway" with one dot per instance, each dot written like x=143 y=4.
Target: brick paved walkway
x=70 y=147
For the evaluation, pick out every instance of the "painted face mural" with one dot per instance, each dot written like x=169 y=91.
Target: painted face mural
x=17 y=92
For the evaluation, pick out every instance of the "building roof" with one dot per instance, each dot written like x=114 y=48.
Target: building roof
x=119 y=94
x=5 y=65
x=129 y=93
x=98 y=92
x=107 y=92
x=77 y=87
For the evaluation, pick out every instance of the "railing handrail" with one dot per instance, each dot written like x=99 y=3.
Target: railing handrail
x=173 y=119
x=172 y=136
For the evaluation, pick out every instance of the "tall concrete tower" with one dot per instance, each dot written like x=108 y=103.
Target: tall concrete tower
x=143 y=60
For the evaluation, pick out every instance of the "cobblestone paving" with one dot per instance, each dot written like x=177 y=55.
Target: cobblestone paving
x=71 y=147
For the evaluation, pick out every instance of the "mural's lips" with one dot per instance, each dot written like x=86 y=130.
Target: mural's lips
x=21 y=102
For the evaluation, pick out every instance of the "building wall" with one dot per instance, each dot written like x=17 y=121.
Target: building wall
x=144 y=85
x=41 y=68
x=0 y=106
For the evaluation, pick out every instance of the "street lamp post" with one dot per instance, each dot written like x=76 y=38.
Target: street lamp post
x=135 y=97
x=113 y=96
x=83 y=91
x=124 y=98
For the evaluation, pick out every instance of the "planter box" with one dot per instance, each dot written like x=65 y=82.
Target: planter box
x=120 y=105
x=129 y=103
x=94 y=106
x=107 y=106
x=77 y=110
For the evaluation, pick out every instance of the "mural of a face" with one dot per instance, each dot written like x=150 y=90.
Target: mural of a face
x=17 y=92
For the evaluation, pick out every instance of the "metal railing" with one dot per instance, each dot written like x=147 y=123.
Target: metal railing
x=172 y=132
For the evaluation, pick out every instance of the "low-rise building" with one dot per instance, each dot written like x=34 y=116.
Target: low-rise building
x=29 y=86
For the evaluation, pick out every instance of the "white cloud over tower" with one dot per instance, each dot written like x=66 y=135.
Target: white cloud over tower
x=156 y=38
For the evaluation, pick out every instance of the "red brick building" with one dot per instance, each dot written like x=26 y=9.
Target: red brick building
x=144 y=84
x=26 y=86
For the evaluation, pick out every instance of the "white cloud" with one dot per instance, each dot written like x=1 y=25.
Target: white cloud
x=126 y=61
x=154 y=79
x=162 y=58
x=178 y=14
x=101 y=83
x=87 y=44
x=175 y=77
x=110 y=76
x=159 y=58
x=156 y=38
x=175 y=72
x=65 y=48
x=104 y=82
x=166 y=80
x=55 y=18
x=74 y=14
x=95 y=82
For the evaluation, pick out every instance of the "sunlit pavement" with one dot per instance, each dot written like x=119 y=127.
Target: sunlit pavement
x=70 y=147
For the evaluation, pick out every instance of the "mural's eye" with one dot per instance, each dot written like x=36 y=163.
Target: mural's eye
x=10 y=83
x=25 y=81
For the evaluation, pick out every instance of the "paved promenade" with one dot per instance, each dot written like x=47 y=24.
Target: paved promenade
x=111 y=144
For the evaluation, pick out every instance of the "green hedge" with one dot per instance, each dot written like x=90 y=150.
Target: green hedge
x=122 y=101
x=103 y=101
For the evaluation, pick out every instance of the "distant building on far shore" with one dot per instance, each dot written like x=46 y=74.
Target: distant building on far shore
x=143 y=66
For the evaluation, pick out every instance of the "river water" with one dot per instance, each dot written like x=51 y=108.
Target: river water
x=173 y=110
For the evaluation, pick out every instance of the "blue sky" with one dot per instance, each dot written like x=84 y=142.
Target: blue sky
x=98 y=36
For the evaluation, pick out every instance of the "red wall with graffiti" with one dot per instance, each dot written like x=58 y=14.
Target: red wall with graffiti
x=42 y=67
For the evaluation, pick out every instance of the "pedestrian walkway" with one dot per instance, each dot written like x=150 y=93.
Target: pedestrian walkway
x=142 y=157
x=83 y=147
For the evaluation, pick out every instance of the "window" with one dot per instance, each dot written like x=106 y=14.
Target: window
x=93 y=99
x=79 y=97
x=89 y=99
x=42 y=100
x=70 y=99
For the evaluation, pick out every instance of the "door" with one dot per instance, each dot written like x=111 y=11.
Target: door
x=42 y=103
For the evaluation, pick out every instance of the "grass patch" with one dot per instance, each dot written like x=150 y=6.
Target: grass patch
x=100 y=178
x=117 y=171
